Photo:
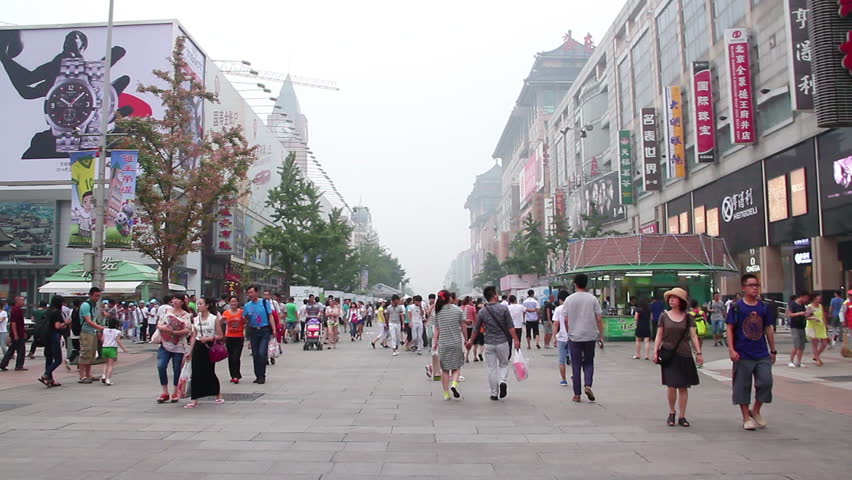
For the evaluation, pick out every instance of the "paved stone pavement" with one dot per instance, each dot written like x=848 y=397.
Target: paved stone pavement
x=356 y=412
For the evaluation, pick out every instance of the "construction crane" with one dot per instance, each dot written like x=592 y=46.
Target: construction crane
x=244 y=69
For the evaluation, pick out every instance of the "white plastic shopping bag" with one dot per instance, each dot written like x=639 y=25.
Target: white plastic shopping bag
x=273 y=348
x=521 y=366
x=183 y=380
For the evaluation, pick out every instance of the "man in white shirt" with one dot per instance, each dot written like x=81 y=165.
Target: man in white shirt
x=415 y=318
x=531 y=307
x=504 y=300
x=561 y=332
x=151 y=317
x=584 y=322
x=517 y=313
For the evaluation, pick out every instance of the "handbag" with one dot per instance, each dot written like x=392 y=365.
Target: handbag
x=217 y=352
x=667 y=355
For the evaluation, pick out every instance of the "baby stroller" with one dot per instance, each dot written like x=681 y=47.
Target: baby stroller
x=313 y=329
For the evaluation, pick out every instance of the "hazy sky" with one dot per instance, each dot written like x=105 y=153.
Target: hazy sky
x=426 y=88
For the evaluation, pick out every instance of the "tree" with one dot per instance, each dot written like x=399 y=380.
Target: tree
x=558 y=239
x=176 y=200
x=492 y=272
x=528 y=250
x=593 y=225
x=336 y=266
x=381 y=265
x=292 y=239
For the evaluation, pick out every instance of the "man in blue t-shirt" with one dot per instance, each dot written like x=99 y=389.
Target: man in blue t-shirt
x=835 y=305
x=750 y=326
x=261 y=326
x=657 y=309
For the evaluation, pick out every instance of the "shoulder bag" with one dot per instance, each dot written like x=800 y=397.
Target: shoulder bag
x=666 y=355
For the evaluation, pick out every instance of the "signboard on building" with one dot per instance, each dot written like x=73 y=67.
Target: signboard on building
x=734 y=208
x=82 y=198
x=704 y=120
x=121 y=209
x=799 y=54
x=739 y=77
x=650 y=154
x=225 y=233
x=625 y=157
x=674 y=133
x=51 y=85
x=830 y=45
x=649 y=228
x=699 y=216
x=776 y=191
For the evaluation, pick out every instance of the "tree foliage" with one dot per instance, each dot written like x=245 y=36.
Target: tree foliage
x=182 y=176
x=492 y=272
x=381 y=265
x=528 y=250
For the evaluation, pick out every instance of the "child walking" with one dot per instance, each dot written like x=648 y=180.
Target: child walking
x=112 y=340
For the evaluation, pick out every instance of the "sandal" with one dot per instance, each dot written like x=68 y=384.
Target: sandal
x=44 y=381
x=190 y=405
x=163 y=398
x=682 y=422
x=175 y=398
x=220 y=401
x=55 y=384
x=671 y=420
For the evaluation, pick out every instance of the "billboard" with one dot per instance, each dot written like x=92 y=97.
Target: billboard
x=676 y=166
x=704 y=120
x=52 y=84
x=121 y=210
x=82 y=199
x=799 y=54
x=27 y=232
x=739 y=77
x=650 y=155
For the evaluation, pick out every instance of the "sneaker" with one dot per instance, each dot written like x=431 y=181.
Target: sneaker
x=503 y=390
x=103 y=378
x=108 y=382
x=758 y=419
x=261 y=381
x=455 y=389
x=85 y=380
x=446 y=395
x=791 y=365
x=749 y=425
x=563 y=383
x=494 y=397
x=395 y=353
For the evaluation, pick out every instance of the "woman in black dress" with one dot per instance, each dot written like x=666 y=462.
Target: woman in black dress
x=206 y=329
x=643 y=329
x=676 y=331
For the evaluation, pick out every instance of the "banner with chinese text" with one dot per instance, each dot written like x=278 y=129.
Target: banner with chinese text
x=82 y=198
x=625 y=156
x=223 y=243
x=121 y=210
x=704 y=121
x=739 y=73
x=650 y=155
x=674 y=133
x=799 y=54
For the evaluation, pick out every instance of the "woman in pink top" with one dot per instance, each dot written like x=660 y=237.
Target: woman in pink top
x=469 y=319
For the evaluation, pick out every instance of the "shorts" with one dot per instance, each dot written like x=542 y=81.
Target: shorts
x=548 y=327
x=88 y=348
x=292 y=326
x=532 y=329
x=332 y=323
x=718 y=327
x=799 y=338
x=564 y=355
x=109 y=352
x=746 y=370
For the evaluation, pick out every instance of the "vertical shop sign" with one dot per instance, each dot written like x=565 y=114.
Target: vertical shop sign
x=82 y=199
x=799 y=54
x=674 y=129
x=705 y=122
x=225 y=229
x=121 y=209
x=799 y=192
x=739 y=72
x=625 y=156
x=650 y=154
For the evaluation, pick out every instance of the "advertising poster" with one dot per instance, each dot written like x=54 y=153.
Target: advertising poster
x=121 y=210
x=27 y=232
x=674 y=129
x=600 y=196
x=650 y=154
x=799 y=192
x=674 y=224
x=195 y=62
x=625 y=158
x=699 y=216
x=82 y=198
x=51 y=84
x=739 y=78
x=799 y=54
x=704 y=121
x=776 y=191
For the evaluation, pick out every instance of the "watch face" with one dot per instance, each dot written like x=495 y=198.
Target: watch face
x=70 y=104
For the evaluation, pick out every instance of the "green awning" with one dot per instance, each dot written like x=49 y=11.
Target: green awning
x=653 y=268
x=115 y=271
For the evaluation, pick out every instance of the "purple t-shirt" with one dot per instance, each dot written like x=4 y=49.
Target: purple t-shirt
x=750 y=322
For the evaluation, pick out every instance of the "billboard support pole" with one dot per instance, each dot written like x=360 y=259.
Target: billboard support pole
x=98 y=277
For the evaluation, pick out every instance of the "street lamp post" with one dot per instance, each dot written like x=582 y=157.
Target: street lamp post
x=98 y=277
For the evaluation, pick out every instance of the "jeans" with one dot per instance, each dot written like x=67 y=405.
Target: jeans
x=417 y=335
x=235 y=351
x=3 y=347
x=52 y=354
x=163 y=357
x=259 y=338
x=17 y=348
x=497 y=360
x=582 y=358
x=353 y=329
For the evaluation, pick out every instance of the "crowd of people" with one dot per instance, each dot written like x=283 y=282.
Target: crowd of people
x=194 y=334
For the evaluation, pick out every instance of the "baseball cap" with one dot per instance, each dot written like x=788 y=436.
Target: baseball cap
x=153 y=300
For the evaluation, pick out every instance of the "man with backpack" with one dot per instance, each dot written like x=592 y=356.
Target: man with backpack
x=750 y=326
x=91 y=316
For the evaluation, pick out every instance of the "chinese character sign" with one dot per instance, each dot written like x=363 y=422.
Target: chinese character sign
x=742 y=99
x=121 y=212
x=225 y=234
x=674 y=129
x=625 y=156
x=704 y=121
x=82 y=199
x=650 y=155
x=799 y=54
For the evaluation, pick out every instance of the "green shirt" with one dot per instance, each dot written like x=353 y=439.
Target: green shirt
x=292 y=313
x=86 y=311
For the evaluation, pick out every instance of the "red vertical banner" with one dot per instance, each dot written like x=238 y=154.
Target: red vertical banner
x=704 y=120
x=742 y=98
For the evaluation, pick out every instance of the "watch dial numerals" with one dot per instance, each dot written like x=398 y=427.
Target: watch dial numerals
x=70 y=104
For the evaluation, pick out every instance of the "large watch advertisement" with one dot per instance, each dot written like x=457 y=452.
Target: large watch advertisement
x=52 y=85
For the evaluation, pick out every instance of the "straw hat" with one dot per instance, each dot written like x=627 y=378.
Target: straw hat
x=677 y=292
